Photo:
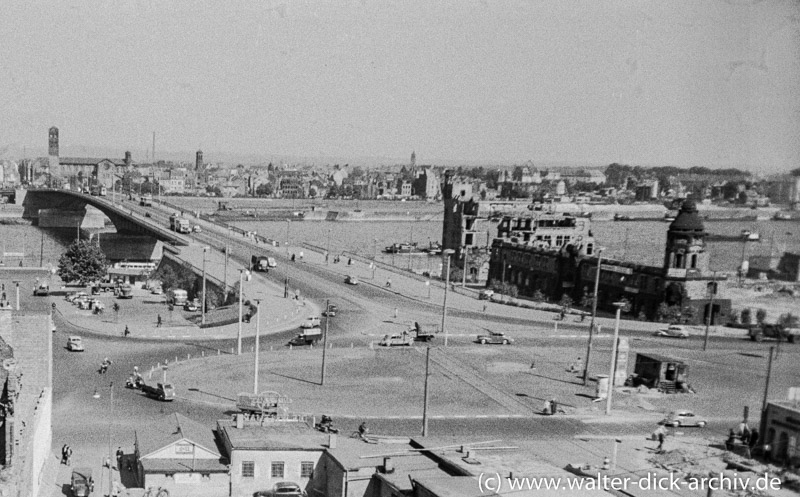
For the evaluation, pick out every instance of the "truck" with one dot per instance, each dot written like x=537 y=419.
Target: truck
x=161 y=391
x=419 y=334
x=307 y=336
x=269 y=404
x=179 y=224
x=42 y=290
x=776 y=331
x=146 y=200
x=262 y=263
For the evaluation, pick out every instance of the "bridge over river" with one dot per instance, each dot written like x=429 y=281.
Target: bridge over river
x=67 y=209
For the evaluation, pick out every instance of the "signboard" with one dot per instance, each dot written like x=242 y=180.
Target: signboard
x=631 y=289
x=676 y=273
x=616 y=269
x=184 y=448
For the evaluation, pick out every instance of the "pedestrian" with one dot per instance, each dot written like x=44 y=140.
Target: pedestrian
x=292 y=257
x=661 y=437
x=127 y=331
x=484 y=308
x=301 y=255
x=120 y=453
x=69 y=454
x=158 y=325
x=547 y=408
x=64 y=454
x=554 y=406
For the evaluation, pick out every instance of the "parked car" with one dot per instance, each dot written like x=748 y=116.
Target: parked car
x=192 y=306
x=495 y=337
x=282 y=489
x=684 y=417
x=197 y=229
x=485 y=294
x=330 y=311
x=74 y=344
x=81 y=482
x=72 y=297
x=157 y=290
x=351 y=280
x=311 y=322
x=397 y=340
x=673 y=331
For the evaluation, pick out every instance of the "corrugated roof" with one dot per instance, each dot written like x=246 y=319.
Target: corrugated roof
x=171 y=429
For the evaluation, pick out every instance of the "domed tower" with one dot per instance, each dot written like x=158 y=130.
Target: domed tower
x=686 y=245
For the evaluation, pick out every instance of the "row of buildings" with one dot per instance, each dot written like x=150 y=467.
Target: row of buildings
x=555 y=254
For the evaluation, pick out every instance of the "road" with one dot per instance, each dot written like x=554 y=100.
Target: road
x=84 y=421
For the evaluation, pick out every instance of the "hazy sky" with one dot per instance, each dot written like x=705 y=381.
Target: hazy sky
x=702 y=82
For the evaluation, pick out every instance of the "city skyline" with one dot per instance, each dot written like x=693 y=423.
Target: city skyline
x=712 y=84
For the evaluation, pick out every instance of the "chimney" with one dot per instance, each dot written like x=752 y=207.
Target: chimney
x=331 y=440
x=388 y=465
x=239 y=421
x=128 y=159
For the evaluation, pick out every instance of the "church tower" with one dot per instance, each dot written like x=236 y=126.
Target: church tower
x=413 y=160
x=52 y=151
x=686 y=245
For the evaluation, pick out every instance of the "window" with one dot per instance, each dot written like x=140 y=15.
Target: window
x=306 y=469
x=277 y=469
x=248 y=469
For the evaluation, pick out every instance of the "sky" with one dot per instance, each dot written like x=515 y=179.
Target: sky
x=689 y=83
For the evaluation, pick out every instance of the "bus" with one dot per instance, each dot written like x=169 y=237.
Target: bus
x=177 y=297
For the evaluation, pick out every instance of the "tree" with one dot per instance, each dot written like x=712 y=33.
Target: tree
x=789 y=320
x=182 y=277
x=83 y=262
x=538 y=296
x=761 y=315
x=565 y=302
x=264 y=190
x=747 y=316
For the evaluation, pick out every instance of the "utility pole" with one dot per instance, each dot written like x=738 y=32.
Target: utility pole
x=325 y=340
x=203 y=314
x=243 y=273
x=613 y=358
x=711 y=311
x=225 y=276
x=41 y=250
x=594 y=314
x=464 y=269
x=110 y=420
x=448 y=252
x=257 y=346
x=425 y=401
x=766 y=394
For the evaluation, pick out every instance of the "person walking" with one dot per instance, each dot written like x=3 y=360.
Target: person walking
x=120 y=453
x=158 y=325
x=69 y=454
x=127 y=331
x=64 y=454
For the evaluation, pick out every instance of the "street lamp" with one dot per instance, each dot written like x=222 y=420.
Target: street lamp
x=712 y=289
x=448 y=253
x=594 y=314
x=244 y=275
x=258 y=336
x=203 y=312
x=328 y=250
x=110 y=421
x=288 y=226
x=464 y=269
x=16 y=284
x=619 y=306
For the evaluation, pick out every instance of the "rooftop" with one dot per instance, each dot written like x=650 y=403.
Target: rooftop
x=273 y=435
x=171 y=429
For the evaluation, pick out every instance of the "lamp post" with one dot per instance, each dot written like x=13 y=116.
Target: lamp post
x=325 y=340
x=16 y=284
x=410 y=243
x=203 y=312
x=713 y=291
x=328 y=250
x=96 y=395
x=244 y=274
x=225 y=275
x=594 y=315
x=447 y=252
x=288 y=226
x=257 y=346
x=464 y=269
x=619 y=306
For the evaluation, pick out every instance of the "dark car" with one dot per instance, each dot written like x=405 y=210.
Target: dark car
x=282 y=489
x=331 y=311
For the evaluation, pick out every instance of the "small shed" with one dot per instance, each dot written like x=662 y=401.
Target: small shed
x=662 y=372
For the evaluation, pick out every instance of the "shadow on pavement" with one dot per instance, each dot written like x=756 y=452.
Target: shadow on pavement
x=211 y=394
x=302 y=380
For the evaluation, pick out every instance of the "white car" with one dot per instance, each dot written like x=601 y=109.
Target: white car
x=311 y=322
x=74 y=344
x=397 y=339
x=351 y=280
x=673 y=331
x=684 y=417
x=271 y=262
x=157 y=291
